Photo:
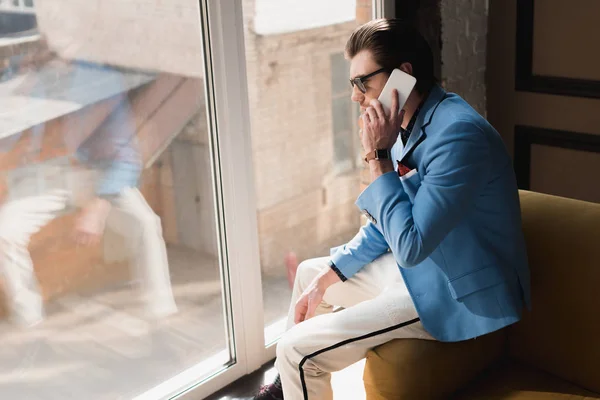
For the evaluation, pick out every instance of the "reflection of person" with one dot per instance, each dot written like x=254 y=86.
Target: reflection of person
x=442 y=256
x=112 y=153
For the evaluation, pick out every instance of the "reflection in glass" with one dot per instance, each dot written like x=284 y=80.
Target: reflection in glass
x=108 y=238
x=39 y=192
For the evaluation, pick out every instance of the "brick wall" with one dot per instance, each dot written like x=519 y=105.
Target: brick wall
x=426 y=15
x=302 y=205
x=464 y=32
x=456 y=32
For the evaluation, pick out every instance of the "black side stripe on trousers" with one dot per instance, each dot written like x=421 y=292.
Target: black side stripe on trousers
x=343 y=343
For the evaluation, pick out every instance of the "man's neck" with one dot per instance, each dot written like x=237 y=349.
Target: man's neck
x=412 y=103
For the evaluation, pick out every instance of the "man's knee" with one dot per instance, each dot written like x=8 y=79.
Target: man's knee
x=289 y=346
x=293 y=352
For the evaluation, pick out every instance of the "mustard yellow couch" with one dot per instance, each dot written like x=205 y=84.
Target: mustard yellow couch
x=553 y=353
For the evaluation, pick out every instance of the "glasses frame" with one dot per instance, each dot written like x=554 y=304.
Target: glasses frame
x=360 y=80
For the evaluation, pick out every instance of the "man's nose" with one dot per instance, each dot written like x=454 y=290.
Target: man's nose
x=357 y=95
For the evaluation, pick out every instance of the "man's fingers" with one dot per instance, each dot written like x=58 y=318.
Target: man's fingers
x=366 y=119
x=300 y=311
x=395 y=102
x=310 y=312
x=378 y=109
x=298 y=315
x=372 y=114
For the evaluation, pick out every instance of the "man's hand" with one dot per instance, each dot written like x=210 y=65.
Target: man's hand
x=380 y=131
x=90 y=222
x=313 y=295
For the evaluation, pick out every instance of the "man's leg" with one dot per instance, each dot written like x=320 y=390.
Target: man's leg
x=19 y=219
x=378 y=308
x=368 y=283
x=133 y=218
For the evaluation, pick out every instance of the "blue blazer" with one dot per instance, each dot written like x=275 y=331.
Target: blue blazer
x=453 y=223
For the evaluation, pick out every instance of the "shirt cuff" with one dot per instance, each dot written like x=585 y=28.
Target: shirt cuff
x=337 y=271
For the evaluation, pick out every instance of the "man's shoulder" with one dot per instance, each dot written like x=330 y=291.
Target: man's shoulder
x=455 y=109
x=454 y=115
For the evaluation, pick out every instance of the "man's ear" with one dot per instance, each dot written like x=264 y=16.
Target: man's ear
x=407 y=67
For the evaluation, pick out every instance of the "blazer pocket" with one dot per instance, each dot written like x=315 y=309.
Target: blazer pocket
x=411 y=182
x=475 y=281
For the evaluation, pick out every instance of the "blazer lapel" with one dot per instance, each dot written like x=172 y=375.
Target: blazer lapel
x=418 y=133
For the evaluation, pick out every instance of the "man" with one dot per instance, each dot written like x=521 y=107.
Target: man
x=37 y=193
x=442 y=256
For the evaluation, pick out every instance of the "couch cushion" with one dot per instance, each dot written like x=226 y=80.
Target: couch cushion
x=519 y=382
x=562 y=333
x=422 y=369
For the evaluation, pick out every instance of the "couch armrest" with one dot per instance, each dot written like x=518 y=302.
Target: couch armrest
x=423 y=369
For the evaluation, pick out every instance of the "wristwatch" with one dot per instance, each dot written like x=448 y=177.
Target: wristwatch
x=379 y=154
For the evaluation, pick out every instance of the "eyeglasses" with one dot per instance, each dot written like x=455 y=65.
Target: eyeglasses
x=360 y=81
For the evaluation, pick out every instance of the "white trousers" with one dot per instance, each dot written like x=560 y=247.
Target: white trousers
x=130 y=217
x=376 y=309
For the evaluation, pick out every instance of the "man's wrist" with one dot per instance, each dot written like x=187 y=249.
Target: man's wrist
x=328 y=278
x=380 y=167
x=377 y=154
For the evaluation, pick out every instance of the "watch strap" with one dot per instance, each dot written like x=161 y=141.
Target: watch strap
x=378 y=154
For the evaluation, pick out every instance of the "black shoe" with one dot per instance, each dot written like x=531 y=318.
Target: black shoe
x=272 y=391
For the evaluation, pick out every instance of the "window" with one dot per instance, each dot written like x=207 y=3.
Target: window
x=96 y=133
x=224 y=164
x=343 y=116
x=303 y=132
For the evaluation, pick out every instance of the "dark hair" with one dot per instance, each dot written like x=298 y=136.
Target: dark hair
x=393 y=42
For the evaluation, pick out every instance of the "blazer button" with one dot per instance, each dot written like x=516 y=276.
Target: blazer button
x=369 y=216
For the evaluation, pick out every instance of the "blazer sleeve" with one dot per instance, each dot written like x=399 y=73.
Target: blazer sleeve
x=366 y=246
x=455 y=173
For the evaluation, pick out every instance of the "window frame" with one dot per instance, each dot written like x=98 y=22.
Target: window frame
x=230 y=116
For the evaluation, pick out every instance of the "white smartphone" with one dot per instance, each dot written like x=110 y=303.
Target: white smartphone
x=403 y=83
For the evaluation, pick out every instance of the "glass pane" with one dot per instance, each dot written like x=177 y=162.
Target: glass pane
x=304 y=138
x=340 y=70
x=109 y=243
